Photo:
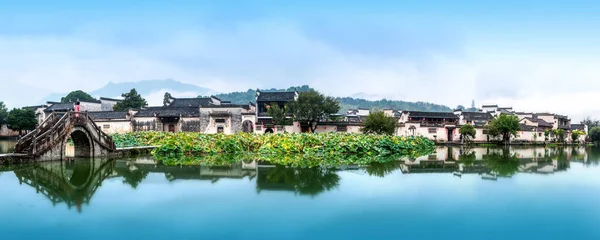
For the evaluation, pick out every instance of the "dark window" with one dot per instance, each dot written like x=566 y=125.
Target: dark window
x=220 y=120
x=432 y=130
x=220 y=129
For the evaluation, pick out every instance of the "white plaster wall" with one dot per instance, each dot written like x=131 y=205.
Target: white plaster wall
x=325 y=129
x=354 y=129
x=115 y=126
x=441 y=133
x=529 y=136
x=213 y=126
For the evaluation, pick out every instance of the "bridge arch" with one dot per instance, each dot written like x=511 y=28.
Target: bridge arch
x=82 y=143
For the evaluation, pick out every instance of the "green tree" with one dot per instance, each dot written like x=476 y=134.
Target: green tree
x=167 y=99
x=311 y=107
x=546 y=134
x=3 y=113
x=504 y=125
x=131 y=100
x=575 y=134
x=467 y=132
x=75 y=96
x=559 y=134
x=595 y=134
x=280 y=115
x=22 y=119
x=378 y=123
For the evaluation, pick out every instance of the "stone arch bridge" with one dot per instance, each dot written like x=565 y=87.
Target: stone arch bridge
x=48 y=141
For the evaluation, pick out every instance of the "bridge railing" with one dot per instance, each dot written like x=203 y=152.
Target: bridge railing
x=52 y=132
x=30 y=137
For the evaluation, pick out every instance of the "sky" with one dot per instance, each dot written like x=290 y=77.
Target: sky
x=531 y=55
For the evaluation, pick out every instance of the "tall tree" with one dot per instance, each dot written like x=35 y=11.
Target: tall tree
x=167 y=99
x=22 y=119
x=378 y=123
x=3 y=113
x=311 y=107
x=467 y=132
x=75 y=96
x=280 y=115
x=560 y=134
x=131 y=100
x=504 y=125
x=594 y=134
x=591 y=122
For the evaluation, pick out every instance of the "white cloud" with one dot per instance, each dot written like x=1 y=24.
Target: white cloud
x=279 y=53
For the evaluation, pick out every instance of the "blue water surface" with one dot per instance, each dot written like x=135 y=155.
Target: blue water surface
x=554 y=196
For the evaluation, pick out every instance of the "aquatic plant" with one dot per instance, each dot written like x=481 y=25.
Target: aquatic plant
x=288 y=149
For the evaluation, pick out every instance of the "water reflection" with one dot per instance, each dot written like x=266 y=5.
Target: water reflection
x=302 y=181
x=7 y=146
x=74 y=183
x=492 y=163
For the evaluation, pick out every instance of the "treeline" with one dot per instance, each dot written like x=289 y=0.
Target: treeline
x=345 y=102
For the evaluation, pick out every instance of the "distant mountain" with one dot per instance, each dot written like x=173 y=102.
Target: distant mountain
x=149 y=87
x=346 y=102
x=152 y=90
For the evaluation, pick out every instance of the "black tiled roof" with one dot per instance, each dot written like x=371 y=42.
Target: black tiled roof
x=417 y=114
x=540 y=122
x=111 y=99
x=577 y=127
x=489 y=106
x=477 y=116
x=108 y=115
x=276 y=96
x=524 y=127
x=244 y=106
x=91 y=101
x=34 y=107
x=191 y=102
x=60 y=107
x=169 y=112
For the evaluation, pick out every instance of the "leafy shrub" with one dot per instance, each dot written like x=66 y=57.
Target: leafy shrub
x=310 y=146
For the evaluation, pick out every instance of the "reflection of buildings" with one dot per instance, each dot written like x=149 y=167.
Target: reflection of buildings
x=196 y=172
x=493 y=162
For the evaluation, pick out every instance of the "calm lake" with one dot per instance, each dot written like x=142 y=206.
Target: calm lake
x=522 y=193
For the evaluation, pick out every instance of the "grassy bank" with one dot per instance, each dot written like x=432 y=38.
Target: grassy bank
x=304 y=146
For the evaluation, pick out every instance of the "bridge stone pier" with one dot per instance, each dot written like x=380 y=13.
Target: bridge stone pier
x=49 y=140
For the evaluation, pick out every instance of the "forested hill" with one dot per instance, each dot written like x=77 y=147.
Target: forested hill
x=346 y=102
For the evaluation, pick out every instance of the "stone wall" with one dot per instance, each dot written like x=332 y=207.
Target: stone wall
x=190 y=125
x=236 y=121
x=204 y=120
x=145 y=124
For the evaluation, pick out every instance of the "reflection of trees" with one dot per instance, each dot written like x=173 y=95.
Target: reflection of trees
x=132 y=175
x=303 y=181
x=467 y=158
x=503 y=164
x=382 y=169
x=593 y=156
